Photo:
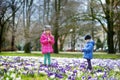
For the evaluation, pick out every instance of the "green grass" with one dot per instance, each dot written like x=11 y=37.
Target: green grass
x=35 y=77
x=100 y=55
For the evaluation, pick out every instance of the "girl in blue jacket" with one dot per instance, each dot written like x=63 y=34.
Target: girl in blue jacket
x=88 y=50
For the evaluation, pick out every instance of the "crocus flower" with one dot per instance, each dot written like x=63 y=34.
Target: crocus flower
x=61 y=68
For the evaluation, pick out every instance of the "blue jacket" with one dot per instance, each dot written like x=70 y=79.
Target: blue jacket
x=88 y=50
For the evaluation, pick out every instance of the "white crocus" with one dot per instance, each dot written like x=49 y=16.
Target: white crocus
x=52 y=76
x=13 y=75
x=19 y=78
x=79 y=73
x=8 y=73
x=116 y=68
x=7 y=78
x=42 y=72
x=100 y=73
x=11 y=69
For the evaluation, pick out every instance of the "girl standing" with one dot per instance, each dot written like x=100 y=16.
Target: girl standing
x=47 y=41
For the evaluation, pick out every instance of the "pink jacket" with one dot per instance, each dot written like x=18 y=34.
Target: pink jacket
x=46 y=46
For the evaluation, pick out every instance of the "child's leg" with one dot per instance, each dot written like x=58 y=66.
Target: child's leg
x=45 y=58
x=89 y=64
x=49 y=59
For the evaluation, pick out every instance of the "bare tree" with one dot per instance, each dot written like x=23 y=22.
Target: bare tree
x=4 y=18
x=117 y=25
x=107 y=14
x=56 y=24
x=27 y=12
x=14 y=6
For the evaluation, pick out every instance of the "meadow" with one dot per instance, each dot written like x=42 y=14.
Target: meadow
x=65 y=66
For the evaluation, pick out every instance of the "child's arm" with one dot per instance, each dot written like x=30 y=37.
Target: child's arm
x=43 y=40
x=90 y=46
x=52 y=40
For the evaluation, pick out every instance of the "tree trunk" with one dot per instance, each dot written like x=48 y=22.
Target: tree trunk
x=61 y=46
x=110 y=32
x=44 y=13
x=48 y=10
x=56 y=35
x=110 y=43
x=56 y=26
x=12 y=42
x=73 y=40
x=56 y=41
x=61 y=43
x=28 y=6
x=1 y=31
x=1 y=35
x=0 y=42
x=118 y=41
x=27 y=48
x=13 y=27
x=92 y=13
x=62 y=40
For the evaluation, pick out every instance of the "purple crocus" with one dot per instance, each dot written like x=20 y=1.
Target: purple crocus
x=99 y=70
x=89 y=77
x=60 y=76
x=75 y=71
x=50 y=74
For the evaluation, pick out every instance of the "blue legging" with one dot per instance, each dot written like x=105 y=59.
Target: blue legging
x=47 y=57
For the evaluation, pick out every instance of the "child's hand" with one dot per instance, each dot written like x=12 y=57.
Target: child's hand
x=49 y=39
x=51 y=35
x=81 y=50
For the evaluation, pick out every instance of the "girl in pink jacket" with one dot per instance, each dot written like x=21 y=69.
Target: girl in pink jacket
x=47 y=41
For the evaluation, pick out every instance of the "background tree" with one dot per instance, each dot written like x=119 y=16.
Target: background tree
x=106 y=14
x=5 y=18
x=56 y=24
x=99 y=44
x=67 y=17
x=117 y=25
x=69 y=9
x=15 y=4
x=27 y=12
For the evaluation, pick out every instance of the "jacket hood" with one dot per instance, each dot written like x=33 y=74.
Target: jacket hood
x=92 y=42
